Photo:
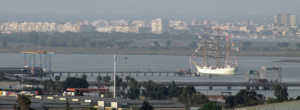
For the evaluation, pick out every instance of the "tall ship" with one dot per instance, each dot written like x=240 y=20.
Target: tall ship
x=218 y=53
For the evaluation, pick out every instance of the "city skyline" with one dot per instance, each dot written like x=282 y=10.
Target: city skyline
x=67 y=10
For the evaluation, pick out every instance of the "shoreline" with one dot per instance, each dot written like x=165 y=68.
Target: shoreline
x=144 y=51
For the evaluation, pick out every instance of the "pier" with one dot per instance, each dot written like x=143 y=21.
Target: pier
x=127 y=73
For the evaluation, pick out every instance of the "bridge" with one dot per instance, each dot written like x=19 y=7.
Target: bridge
x=127 y=73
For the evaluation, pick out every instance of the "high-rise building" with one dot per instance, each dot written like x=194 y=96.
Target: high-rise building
x=159 y=26
x=285 y=19
x=293 y=20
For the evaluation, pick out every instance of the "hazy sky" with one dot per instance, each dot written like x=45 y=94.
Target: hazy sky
x=68 y=10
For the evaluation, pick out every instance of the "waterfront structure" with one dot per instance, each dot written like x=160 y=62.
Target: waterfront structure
x=159 y=26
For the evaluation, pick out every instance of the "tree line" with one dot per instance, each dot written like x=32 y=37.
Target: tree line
x=83 y=39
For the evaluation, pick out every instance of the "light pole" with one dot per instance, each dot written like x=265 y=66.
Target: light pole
x=115 y=58
x=125 y=58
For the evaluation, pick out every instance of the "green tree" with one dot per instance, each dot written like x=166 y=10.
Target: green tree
x=146 y=106
x=199 y=99
x=134 y=89
x=168 y=44
x=1 y=75
x=124 y=86
x=4 y=41
x=24 y=102
x=99 y=80
x=281 y=93
x=271 y=100
x=72 y=82
x=127 y=79
x=283 y=44
x=211 y=106
x=230 y=101
x=155 y=44
x=57 y=78
x=39 y=91
x=298 y=45
x=186 y=95
x=84 y=77
x=34 y=38
x=118 y=82
x=106 y=80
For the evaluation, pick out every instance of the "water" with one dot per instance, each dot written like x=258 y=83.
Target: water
x=104 y=62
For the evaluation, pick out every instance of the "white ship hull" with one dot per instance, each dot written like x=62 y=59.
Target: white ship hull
x=219 y=71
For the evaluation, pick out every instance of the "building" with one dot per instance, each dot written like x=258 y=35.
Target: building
x=293 y=20
x=285 y=19
x=159 y=26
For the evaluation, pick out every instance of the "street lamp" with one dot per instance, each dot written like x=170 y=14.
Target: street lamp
x=125 y=58
x=115 y=58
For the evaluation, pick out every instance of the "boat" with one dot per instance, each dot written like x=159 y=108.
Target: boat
x=218 y=52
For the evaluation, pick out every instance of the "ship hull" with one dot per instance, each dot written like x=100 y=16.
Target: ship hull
x=217 y=71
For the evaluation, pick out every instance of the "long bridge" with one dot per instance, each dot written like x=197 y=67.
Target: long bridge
x=122 y=73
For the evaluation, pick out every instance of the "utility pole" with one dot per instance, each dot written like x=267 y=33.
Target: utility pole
x=115 y=58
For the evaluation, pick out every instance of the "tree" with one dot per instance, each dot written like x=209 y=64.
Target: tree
x=283 y=44
x=57 y=78
x=127 y=79
x=146 y=106
x=211 y=106
x=24 y=102
x=271 y=100
x=298 y=45
x=199 y=99
x=168 y=44
x=134 y=91
x=4 y=41
x=68 y=106
x=34 y=38
x=39 y=91
x=72 y=82
x=118 y=82
x=155 y=44
x=99 y=80
x=84 y=77
x=230 y=101
x=1 y=75
x=186 y=95
x=124 y=86
x=106 y=80
x=280 y=93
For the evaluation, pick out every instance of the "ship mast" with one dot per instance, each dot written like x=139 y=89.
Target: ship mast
x=205 y=48
x=227 y=50
x=217 y=49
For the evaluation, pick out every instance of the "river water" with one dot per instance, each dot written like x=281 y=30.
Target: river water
x=104 y=62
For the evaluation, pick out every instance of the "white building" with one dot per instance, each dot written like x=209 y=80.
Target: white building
x=159 y=26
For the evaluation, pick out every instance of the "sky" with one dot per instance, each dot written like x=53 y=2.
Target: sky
x=70 y=10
